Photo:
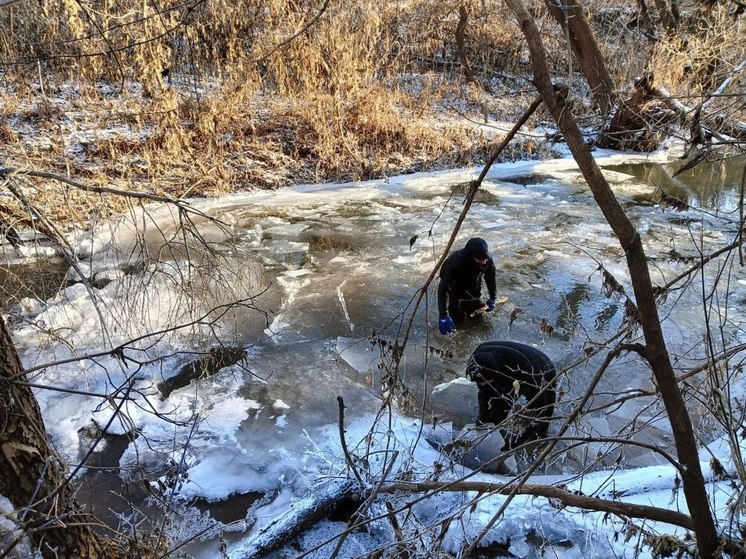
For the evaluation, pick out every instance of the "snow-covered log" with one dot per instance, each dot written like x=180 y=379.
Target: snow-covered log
x=300 y=517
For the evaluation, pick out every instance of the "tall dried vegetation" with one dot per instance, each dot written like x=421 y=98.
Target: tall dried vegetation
x=206 y=97
x=198 y=98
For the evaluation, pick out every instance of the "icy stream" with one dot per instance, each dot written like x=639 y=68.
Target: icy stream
x=335 y=264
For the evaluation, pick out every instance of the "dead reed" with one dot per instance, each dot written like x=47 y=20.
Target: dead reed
x=194 y=98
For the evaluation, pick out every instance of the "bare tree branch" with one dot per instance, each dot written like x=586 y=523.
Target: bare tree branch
x=7 y=172
x=567 y=498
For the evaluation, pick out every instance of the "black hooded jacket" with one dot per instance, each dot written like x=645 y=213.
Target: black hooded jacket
x=503 y=362
x=502 y=368
x=461 y=277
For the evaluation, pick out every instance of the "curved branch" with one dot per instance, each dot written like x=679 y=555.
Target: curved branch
x=6 y=172
x=65 y=248
x=112 y=50
x=119 y=350
x=295 y=35
x=343 y=441
x=621 y=442
x=567 y=498
x=704 y=260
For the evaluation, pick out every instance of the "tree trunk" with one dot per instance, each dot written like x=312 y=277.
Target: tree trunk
x=669 y=14
x=655 y=351
x=641 y=122
x=463 y=20
x=33 y=476
x=569 y=14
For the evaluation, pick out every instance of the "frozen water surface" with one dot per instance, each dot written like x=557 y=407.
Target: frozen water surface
x=331 y=274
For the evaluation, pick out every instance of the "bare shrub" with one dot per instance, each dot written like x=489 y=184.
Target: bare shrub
x=693 y=64
x=221 y=100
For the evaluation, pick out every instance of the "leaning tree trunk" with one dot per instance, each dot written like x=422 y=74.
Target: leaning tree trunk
x=33 y=476
x=655 y=351
x=669 y=13
x=569 y=14
x=463 y=21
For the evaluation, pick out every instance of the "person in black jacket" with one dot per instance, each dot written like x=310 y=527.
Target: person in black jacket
x=460 y=287
x=514 y=377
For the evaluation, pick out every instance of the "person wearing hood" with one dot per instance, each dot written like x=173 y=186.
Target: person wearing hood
x=460 y=287
x=515 y=381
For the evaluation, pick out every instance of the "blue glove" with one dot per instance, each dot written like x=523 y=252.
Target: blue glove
x=446 y=325
x=490 y=305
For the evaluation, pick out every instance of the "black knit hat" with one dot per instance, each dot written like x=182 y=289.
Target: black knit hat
x=477 y=248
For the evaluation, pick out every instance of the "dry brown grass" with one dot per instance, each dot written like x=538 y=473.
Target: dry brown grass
x=235 y=111
x=695 y=63
x=7 y=134
x=199 y=99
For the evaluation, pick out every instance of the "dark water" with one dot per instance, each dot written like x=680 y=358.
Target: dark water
x=40 y=280
x=714 y=185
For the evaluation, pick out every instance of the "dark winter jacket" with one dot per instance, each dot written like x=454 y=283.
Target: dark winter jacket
x=507 y=372
x=461 y=277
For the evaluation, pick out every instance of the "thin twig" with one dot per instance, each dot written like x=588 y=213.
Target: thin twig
x=348 y=457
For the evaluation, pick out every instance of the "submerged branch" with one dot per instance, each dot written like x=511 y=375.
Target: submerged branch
x=343 y=440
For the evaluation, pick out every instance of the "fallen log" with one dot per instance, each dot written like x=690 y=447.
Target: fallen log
x=641 y=120
x=204 y=367
x=304 y=514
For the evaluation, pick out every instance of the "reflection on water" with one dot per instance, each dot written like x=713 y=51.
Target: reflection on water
x=579 y=301
x=712 y=185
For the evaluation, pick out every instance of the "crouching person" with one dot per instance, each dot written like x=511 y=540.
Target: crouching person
x=515 y=380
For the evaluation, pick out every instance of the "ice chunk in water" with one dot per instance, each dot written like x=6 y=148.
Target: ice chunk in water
x=285 y=252
x=519 y=547
x=457 y=397
x=285 y=231
x=357 y=353
x=484 y=451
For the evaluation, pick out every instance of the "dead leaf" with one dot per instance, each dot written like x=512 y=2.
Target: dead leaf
x=668 y=201
x=513 y=316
